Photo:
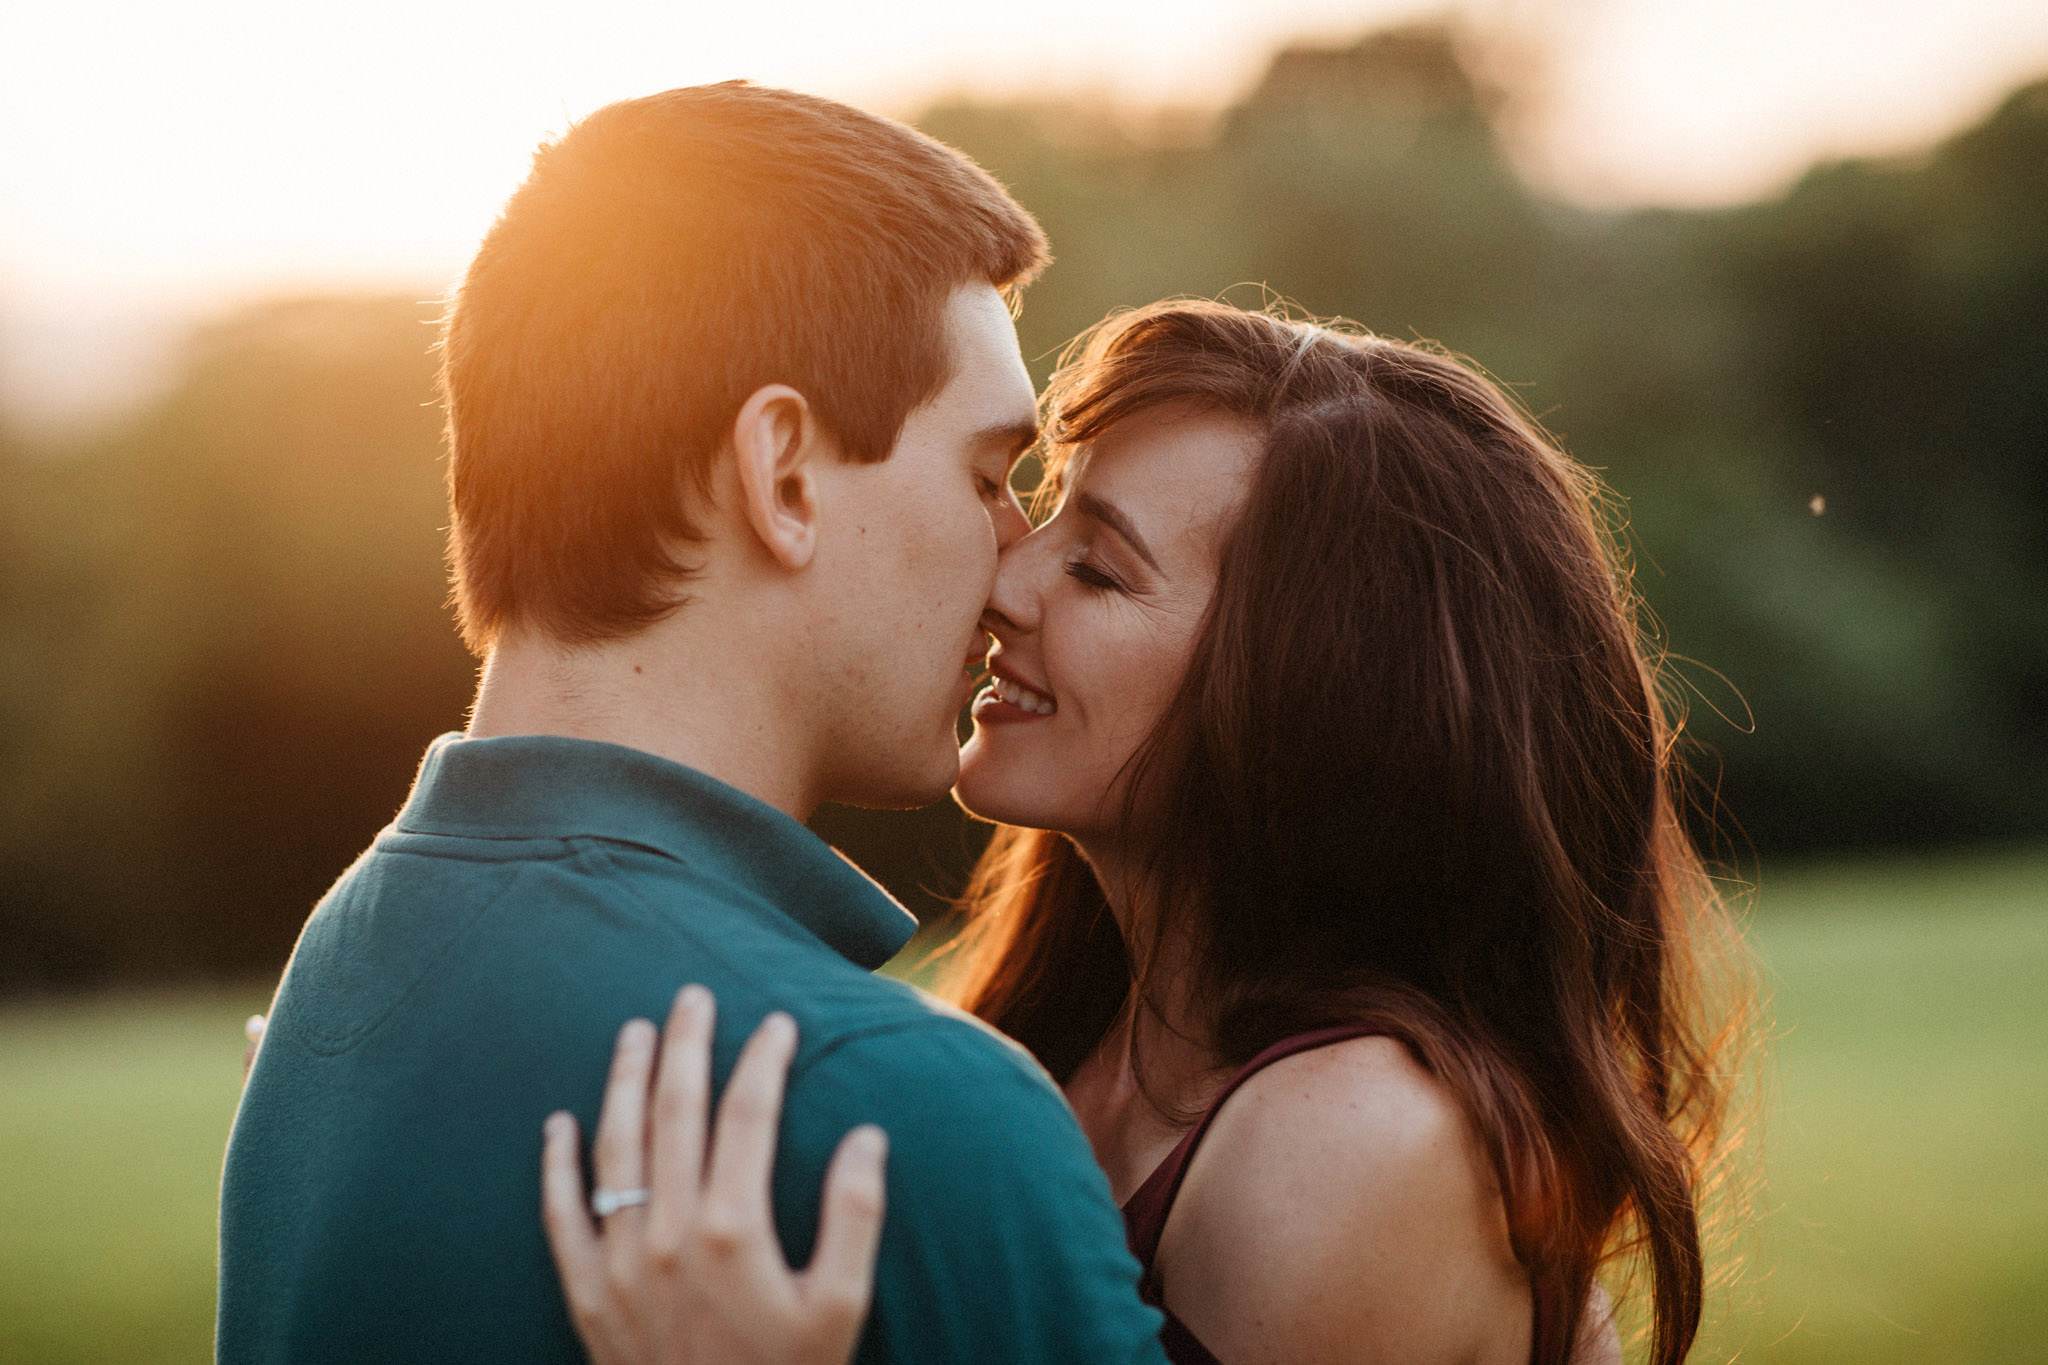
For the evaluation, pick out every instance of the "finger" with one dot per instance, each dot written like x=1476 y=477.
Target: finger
x=619 y=1154
x=842 y=1269
x=743 y=1145
x=252 y=1029
x=682 y=1101
x=571 y=1237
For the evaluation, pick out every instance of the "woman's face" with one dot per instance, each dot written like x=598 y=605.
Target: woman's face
x=1094 y=616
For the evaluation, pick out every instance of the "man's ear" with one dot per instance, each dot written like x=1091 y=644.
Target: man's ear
x=775 y=439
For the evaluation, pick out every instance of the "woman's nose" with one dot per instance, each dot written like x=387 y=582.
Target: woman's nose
x=1014 y=598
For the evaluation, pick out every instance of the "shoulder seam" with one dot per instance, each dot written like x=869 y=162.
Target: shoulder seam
x=336 y=1044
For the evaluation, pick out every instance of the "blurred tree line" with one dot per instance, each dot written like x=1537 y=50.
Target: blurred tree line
x=224 y=642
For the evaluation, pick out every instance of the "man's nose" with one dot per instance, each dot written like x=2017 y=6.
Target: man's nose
x=1011 y=523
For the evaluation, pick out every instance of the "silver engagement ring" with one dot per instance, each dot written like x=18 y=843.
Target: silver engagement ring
x=604 y=1203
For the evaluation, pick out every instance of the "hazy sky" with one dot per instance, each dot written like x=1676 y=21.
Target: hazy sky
x=160 y=158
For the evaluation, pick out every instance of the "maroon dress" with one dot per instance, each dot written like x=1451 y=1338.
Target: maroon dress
x=1146 y=1210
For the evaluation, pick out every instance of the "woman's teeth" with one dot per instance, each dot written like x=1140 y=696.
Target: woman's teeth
x=1023 y=698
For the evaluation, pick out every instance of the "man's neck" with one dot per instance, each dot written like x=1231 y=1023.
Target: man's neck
x=678 y=695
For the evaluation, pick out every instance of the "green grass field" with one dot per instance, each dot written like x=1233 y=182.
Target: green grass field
x=1905 y=1145
x=1905 y=1211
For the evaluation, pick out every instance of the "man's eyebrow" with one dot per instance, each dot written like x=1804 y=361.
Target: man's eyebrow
x=1095 y=509
x=1012 y=438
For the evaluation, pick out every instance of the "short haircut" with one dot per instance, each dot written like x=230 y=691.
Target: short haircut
x=666 y=258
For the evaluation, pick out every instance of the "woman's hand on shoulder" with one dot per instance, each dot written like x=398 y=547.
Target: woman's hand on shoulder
x=1342 y=1209
x=682 y=1263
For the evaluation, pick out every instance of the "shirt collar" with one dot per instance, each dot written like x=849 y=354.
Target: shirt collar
x=552 y=787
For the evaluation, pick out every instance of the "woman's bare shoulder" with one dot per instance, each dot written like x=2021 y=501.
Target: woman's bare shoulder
x=1342 y=1208
x=1361 y=1091
x=1383 y=1143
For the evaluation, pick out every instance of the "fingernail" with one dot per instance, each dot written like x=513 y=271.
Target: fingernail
x=638 y=1035
x=557 y=1124
x=868 y=1144
x=693 y=998
x=784 y=1026
x=253 y=1026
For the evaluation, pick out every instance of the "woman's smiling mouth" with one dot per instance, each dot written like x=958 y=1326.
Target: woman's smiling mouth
x=1005 y=699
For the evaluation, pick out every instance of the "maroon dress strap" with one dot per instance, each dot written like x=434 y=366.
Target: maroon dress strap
x=1146 y=1210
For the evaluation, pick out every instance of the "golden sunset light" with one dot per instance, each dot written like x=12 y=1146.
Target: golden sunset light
x=652 y=642
x=163 y=156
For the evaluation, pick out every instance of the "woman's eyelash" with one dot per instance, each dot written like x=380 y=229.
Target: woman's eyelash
x=1082 y=571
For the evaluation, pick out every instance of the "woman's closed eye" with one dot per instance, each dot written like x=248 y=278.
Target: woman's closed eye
x=1087 y=574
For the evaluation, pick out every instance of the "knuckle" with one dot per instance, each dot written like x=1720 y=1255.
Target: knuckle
x=721 y=1236
x=619 y=1281
x=586 y=1300
x=615 y=1147
x=670 y=1106
x=626 y=1065
x=839 y=1302
x=862 y=1201
x=664 y=1254
x=743 y=1106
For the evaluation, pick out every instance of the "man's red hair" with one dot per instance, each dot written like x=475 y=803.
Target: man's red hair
x=667 y=257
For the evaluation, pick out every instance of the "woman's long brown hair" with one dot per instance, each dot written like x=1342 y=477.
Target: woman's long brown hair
x=1418 y=775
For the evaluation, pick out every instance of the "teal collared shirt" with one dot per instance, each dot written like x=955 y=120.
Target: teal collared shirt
x=467 y=976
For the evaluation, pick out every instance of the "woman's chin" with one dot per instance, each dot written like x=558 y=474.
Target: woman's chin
x=984 y=789
x=1013 y=783
x=973 y=794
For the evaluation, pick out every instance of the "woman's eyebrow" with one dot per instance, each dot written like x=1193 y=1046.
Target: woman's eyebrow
x=1095 y=509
